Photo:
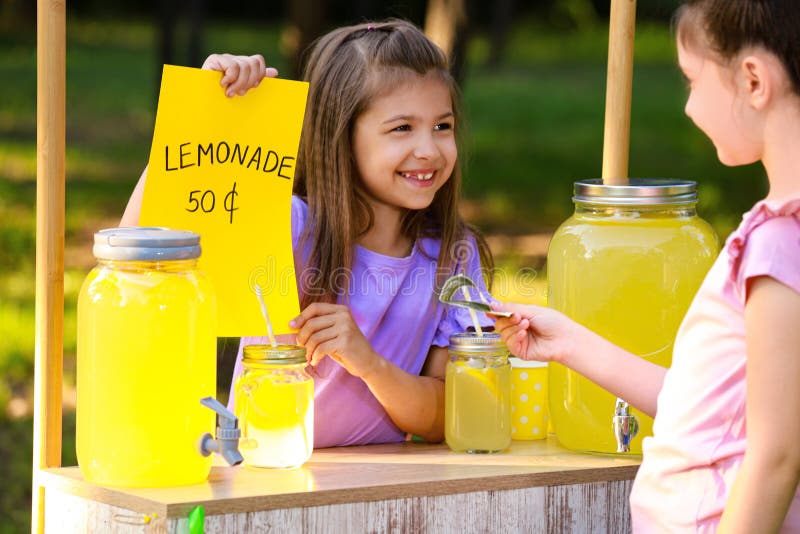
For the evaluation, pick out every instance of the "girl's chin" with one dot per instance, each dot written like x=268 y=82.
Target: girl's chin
x=734 y=160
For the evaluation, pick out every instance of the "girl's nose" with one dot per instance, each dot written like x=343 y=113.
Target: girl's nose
x=426 y=147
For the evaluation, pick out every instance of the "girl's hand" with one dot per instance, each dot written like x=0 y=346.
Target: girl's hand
x=329 y=330
x=239 y=73
x=536 y=333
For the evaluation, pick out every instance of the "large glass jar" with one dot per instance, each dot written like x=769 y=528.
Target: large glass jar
x=274 y=401
x=626 y=265
x=146 y=356
x=477 y=407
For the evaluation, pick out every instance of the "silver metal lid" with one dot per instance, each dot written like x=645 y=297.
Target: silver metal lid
x=139 y=243
x=280 y=354
x=638 y=192
x=472 y=342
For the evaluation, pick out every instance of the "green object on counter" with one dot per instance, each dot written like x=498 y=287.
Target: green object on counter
x=197 y=519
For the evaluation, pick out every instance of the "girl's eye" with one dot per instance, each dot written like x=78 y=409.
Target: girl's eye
x=443 y=126
x=402 y=128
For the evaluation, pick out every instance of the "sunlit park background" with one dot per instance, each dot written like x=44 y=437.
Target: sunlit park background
x=533 y=77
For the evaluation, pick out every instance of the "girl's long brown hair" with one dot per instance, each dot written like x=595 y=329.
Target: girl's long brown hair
x=346 y=69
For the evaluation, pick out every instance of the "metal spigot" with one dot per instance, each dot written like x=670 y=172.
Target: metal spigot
x=228 y=434
x=626 y=426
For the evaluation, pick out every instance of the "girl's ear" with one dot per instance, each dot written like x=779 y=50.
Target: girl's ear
x=758 y=79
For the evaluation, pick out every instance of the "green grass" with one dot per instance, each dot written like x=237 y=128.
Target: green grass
x=535 y=126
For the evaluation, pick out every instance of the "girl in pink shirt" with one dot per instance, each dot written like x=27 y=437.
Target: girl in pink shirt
x=725 y=453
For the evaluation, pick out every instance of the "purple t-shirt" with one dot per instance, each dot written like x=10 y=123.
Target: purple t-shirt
x=393 y=301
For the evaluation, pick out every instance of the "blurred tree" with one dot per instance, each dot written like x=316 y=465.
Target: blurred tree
x=367 y=10
x=169 y=13
x=576 y=14
x=502 y=12
x=446 y=24
x=306 y=22
x=444 y=19
x=17 y=14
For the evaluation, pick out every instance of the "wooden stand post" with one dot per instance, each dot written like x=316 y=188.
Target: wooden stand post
x=50 y=140
x=619 y=82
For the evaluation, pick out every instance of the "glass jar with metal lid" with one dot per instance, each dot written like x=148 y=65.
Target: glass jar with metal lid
x=274 y=401
x=626 y=265
x=146 y=355
x=478 y=394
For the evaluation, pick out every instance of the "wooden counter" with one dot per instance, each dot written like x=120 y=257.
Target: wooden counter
x=536 y=486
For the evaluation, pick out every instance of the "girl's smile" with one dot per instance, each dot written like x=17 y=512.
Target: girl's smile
x=419 y=178
x=404 y=143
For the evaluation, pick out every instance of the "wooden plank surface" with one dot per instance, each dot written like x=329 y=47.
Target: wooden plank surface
x=573 y=509
x=360 y=474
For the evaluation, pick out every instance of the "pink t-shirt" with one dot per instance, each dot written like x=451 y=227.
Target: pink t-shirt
x=700 y=432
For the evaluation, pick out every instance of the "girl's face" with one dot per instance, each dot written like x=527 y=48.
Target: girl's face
x=404 y=143
x=717 y=108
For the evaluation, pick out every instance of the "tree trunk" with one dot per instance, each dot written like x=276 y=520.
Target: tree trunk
x=502 y=12
x=443 y=20
x=196 y=19
x=446 y=24
x=306 y=21
x=167 y=19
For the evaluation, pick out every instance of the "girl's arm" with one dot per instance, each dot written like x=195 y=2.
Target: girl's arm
x=538 y=333
x=415 y=403
x=239 y=74
x=134 y=207
x=770 y=471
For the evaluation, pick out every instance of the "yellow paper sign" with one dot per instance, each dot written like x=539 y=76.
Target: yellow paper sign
x=223 y=167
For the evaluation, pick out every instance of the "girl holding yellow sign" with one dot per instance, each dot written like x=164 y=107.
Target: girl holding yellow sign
x=376 y=229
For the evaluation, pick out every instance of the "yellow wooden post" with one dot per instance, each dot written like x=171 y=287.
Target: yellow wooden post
x=619 y=82
x=50 y=183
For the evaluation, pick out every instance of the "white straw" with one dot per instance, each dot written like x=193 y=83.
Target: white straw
x=266 y=317
x=472 y=313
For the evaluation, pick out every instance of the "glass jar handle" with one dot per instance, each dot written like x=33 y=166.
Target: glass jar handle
x=246 y=442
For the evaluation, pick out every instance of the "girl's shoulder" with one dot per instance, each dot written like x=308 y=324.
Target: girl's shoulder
x=299 y=207
x=299 y=217
x=466 y=246
x=768 y=238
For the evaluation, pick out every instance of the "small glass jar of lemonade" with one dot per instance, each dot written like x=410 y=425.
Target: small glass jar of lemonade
x=146 y=355
x=626 y=265
x=477 y=408
x=274 y=401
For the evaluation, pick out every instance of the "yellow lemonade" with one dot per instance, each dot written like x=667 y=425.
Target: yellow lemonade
x=275 y=406
x=477 y=406
x=146 y=356
x=628 y=274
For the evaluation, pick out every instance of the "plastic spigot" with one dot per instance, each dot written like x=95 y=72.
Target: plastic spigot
x=228 y=433
x=626 y=426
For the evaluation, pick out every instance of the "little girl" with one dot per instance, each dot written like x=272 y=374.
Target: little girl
x=725 y=448
x=376 y=229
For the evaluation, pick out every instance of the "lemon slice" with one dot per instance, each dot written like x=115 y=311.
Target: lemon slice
x=480 y=381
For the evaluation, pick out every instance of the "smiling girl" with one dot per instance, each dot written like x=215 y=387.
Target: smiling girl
x=375 y=227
